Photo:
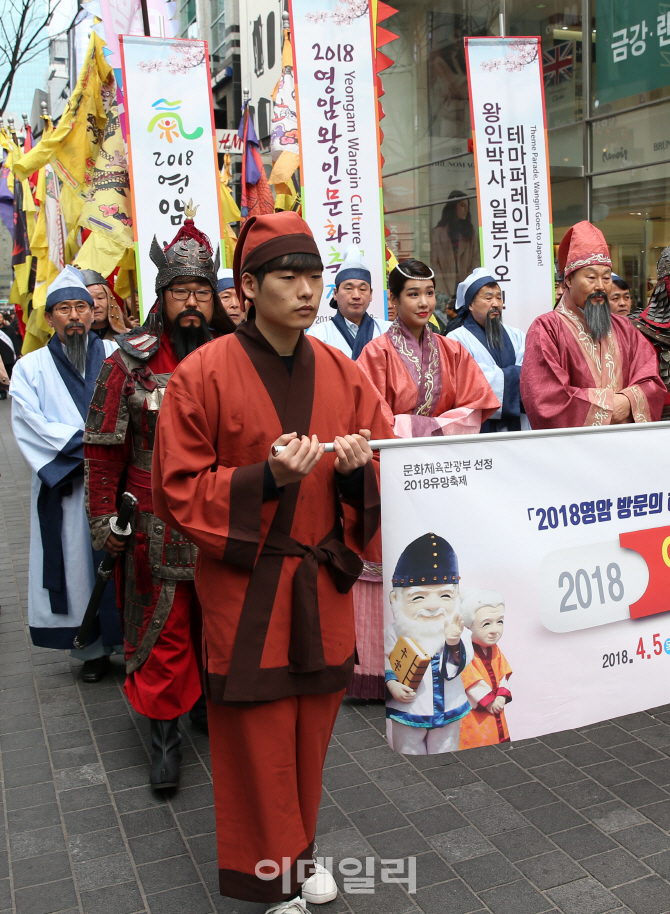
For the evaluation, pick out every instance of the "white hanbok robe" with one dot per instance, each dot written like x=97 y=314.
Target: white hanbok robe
x=492 y=372
x=49 y=409
x=440 y=696
x=327 y=332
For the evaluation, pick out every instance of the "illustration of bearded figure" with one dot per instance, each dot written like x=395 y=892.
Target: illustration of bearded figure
x=427 y=649
x=486 y=680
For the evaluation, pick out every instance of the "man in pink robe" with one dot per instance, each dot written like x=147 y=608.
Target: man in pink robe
x=584 y=366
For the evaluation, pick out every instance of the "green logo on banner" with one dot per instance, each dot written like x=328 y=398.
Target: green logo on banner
x=632 y=47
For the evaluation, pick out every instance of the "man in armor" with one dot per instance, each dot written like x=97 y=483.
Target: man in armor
x=162 y=618
x=654 y=322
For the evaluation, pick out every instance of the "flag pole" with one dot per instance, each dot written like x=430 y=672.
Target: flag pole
x=145 y=18
x=388 y=443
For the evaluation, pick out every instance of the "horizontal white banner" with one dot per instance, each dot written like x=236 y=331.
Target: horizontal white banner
x=578 y=549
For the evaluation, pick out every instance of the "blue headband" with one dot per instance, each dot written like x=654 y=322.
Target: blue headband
x=353 y=273
x=68 y=293
x=226 y=283
x=472 y=290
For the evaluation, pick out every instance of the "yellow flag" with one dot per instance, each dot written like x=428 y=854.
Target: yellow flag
x=73 y=146
x=126 y=278
x=99 y=253
x=38 y=332
x=107 y=209
x=229 y=209
x=286 y=196
x=229 y=245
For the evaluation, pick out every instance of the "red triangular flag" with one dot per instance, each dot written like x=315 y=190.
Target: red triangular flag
x=384 y=11
x=383 y=62
x=385 y=37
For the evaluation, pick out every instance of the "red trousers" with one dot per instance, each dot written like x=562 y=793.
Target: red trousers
x=267 y=763
x=168 y=683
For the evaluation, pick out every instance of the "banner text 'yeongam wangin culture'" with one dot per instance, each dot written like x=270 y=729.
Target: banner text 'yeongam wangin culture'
x=339 y=137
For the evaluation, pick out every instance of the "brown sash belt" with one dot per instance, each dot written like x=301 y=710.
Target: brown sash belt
x=306 y=646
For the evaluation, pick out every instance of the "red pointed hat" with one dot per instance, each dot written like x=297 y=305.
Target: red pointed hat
x=265 y=237
x=582 y=245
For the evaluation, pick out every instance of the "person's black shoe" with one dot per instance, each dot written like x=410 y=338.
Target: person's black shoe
x=95 y=670
x=166 y=754
x=198 y=715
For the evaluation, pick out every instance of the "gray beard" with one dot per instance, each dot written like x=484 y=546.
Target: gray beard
x=76 y=348
x=494 y=332
x=428 y=633
x=598 y=318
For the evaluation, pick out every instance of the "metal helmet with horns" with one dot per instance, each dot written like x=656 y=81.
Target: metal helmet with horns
x=189 y=254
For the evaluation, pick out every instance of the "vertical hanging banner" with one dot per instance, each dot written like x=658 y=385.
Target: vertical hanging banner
x=338 y=124
x=512 y=167
x=522 y=597
x=171 y=145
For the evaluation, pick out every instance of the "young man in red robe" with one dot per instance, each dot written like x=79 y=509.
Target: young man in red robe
x=279 y=539
x=584 y=366
x=160 y=607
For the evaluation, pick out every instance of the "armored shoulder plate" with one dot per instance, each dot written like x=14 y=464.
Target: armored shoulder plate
x=140 y=343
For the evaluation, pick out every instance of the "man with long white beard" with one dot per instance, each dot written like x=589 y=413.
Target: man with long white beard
x=51 y=390
x=583 y=365
x=425 y=602
x=497 y=348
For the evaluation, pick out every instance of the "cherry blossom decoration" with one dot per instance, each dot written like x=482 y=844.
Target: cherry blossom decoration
x=344 y=13
x=519 y=55
x=183 y=57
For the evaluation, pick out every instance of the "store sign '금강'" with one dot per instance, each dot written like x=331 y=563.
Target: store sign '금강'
x=339 y=137
x=513 y=192
x=172 y=145
x=573 y=552
x=632 y=48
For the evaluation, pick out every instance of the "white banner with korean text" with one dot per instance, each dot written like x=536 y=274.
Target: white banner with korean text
x=525 y=567
x=512 y=167
x=171 y=144
x=339 y=137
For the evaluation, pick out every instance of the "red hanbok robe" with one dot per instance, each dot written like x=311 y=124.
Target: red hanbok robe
x=273 y=578
x=569 y=381
x=484 y=680
x=430 y=388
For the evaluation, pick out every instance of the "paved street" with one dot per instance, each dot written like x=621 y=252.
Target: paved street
x=576 y=822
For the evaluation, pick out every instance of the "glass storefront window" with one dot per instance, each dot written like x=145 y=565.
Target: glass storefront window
x=426 y=90
x=634 y=138
x=632 y=208
x=566 y=150
x=560 y=27
x=567 y=196
x=427 y=127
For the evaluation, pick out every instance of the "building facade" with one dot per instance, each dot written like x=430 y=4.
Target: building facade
x=607 y=93
x=218 y=23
